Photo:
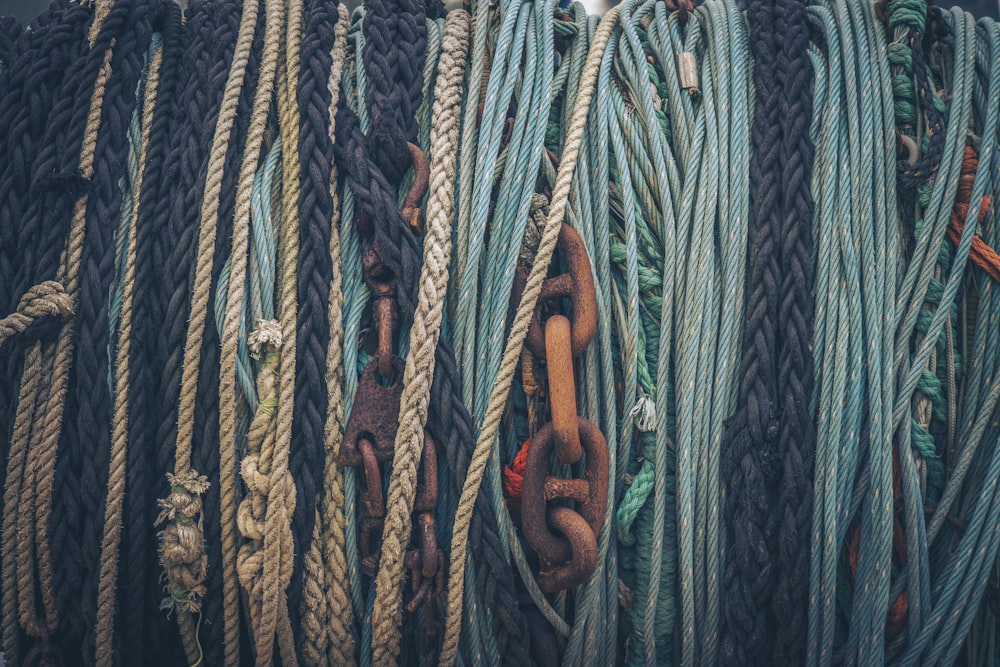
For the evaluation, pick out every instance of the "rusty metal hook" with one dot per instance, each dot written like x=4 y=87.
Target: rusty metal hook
x=421 y=177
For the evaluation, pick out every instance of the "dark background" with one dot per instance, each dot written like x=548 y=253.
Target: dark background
x=25 y=10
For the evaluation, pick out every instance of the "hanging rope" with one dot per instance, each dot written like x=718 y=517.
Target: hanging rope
x=750 y=253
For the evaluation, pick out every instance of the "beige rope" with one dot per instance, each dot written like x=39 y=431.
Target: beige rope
x=12 y=582
x=182 y=541
x=326 y=610
x=101 y=10
x=108 y=578
x=501 y=388
x=256 y=472
x=40 y=410
x=278 y=543
x=265 y=563
x=228 y=405
x=424 y=334
x=41 y=300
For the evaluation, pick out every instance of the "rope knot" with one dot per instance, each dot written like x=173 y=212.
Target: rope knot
x=182 y=542
x=46 y=299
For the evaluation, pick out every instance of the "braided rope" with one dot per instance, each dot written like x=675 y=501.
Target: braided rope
x=40 y=436
x=750 y=460
x=424 y=335
x=870 y=318
x=314 y=269
x=797 y=437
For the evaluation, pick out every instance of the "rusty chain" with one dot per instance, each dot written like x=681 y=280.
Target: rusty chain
x=565 y=539
x=370 y=433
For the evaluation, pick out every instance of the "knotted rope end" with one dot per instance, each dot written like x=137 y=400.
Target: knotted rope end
x=266 y=336
x=182 y=543
x=644 y=414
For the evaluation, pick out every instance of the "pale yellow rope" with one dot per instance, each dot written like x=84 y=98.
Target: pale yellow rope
x=40 y=414
x=265 y=341
x=266 y=564
x=108 y=578
x=501 y=388
x=424 y=333
x=28 y=535
x=182 y=541
x=326 y=610
x=228 y=406
x=278 y=543
x=101 y=10
x=12 y=584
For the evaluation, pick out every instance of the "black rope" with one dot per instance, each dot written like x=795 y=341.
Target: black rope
x=750 y=457
x=146 y=637
x=315 y=270
x=792 y=514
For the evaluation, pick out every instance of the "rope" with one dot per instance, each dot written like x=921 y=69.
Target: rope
x=107 y=583
x=142 y=630
x=208 y=56
x=340 y=623
x=326 y=611
x=34 y=441
x=794 y=362
x=249 y=575
x=315 y=205
x=424 y=334
x=797 y=437
x=182 y=550
x=491 y=420
x=751 y=456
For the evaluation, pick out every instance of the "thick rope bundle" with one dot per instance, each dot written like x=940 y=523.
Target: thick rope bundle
x=790 y=216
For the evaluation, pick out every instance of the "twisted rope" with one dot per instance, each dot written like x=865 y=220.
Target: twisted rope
x=108 y=578
x=182 y=547
x=236 y=562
